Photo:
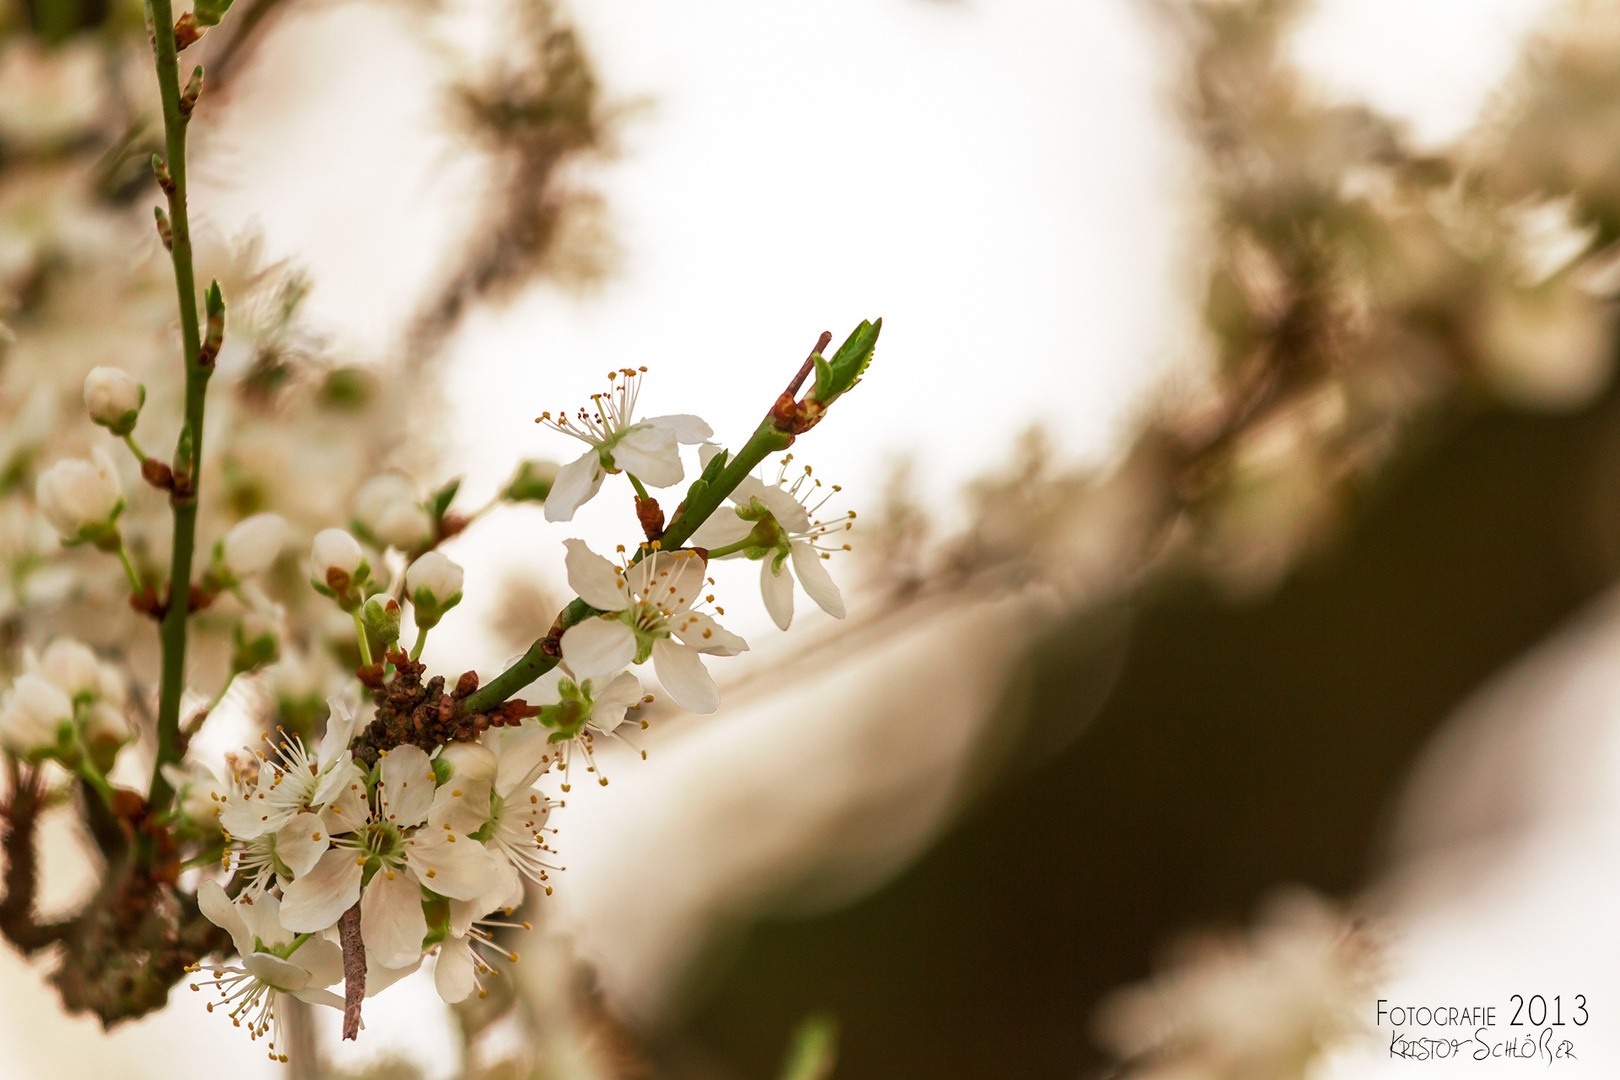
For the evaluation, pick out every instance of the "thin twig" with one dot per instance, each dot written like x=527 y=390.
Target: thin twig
x=354 y=970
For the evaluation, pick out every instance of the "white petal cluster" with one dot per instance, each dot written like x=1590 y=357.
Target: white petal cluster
x=427 y=849
x=649 y=610
x=67 y=700
x=647 y=449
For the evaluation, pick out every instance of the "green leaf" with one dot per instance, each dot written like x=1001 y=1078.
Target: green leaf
x=837 y=376
x=440 y=503
x=209 y=12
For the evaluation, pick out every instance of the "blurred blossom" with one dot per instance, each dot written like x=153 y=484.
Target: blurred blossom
x=49 y=95
x=1260 y=1006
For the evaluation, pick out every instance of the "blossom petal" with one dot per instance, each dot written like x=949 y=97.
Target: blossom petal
x=598 y=647
x=650 y=454
x=508 y=892
x=461 y=805
x=273 y=970
x=348 y=811
x=614 y=699
x=681 y=670
x=598 y=582
x=380 y=978
x=689 y=429
x=407 y=785
x=574 y=486
x=460 y=869
x=218 y=909
x=524 y=755
x=339 y=730
x=263 y=918
x=776 y=586
x=301 y=842
x=788 y=511
x=391 y=921
x=453 y=971
x=342 y=774
x=319 y=898
x=321 y=996
x=321 y=958
x=707 y=636
x=807 y=563
x=721 y=529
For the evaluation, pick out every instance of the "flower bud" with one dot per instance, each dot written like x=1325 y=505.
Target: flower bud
x=339 y=567
x=32 y=713
x=381 y=618
x=253 y=544
x=113 y=398
x=434 y=585
x=82 y=499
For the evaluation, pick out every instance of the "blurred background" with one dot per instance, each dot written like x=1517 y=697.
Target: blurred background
x=1232 y=636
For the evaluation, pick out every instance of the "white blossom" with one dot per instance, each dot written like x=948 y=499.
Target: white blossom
x=647 y=449
x=586 y=709
x=387 y=508
x=199 y=794
x=775 y=523
x=648 y=612
x=31 y=714
x=76 y=670
x=81 y=499
x=254 y=544
x=274 y=962
x=296 y=781
x=404 y=857
x=491 y=793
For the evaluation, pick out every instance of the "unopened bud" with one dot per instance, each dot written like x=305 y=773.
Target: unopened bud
x=193 y=90
x=434 y=585
x=338 y=568
x=160 y=169
x=381 y=618
x=215 y=334
x=165 y=230
x=82 y=499
x=113 y=398
x=186 y=32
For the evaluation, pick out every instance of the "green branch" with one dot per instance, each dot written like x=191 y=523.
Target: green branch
x=189 y=454
x=776 y=432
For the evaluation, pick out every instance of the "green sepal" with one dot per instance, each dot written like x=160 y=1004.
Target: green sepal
x=439 y=505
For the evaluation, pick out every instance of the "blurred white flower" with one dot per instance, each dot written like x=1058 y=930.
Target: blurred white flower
x=1261 y=1007
x=648 y=611
x=199 y=794
x=31 y=714
x=75 y=670
x=113 y=398
x=49 y=95
x=254 y=544
x=648 y=449
x=386 y=507
x=81 y=499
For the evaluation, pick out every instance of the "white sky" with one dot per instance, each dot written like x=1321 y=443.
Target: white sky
x=994 y=177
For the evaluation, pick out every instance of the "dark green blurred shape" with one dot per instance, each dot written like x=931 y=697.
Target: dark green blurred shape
x=1243 y=746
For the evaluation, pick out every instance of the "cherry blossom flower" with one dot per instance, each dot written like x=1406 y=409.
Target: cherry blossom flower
x=82 y=499
x=460 y=967
x=583 y=712
x=401 y=854
x=274 y=962
x=296 y=781
x=32 y=713
x=648 y=611
x=490 y=795
x=775 y=524
x=648 y=450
